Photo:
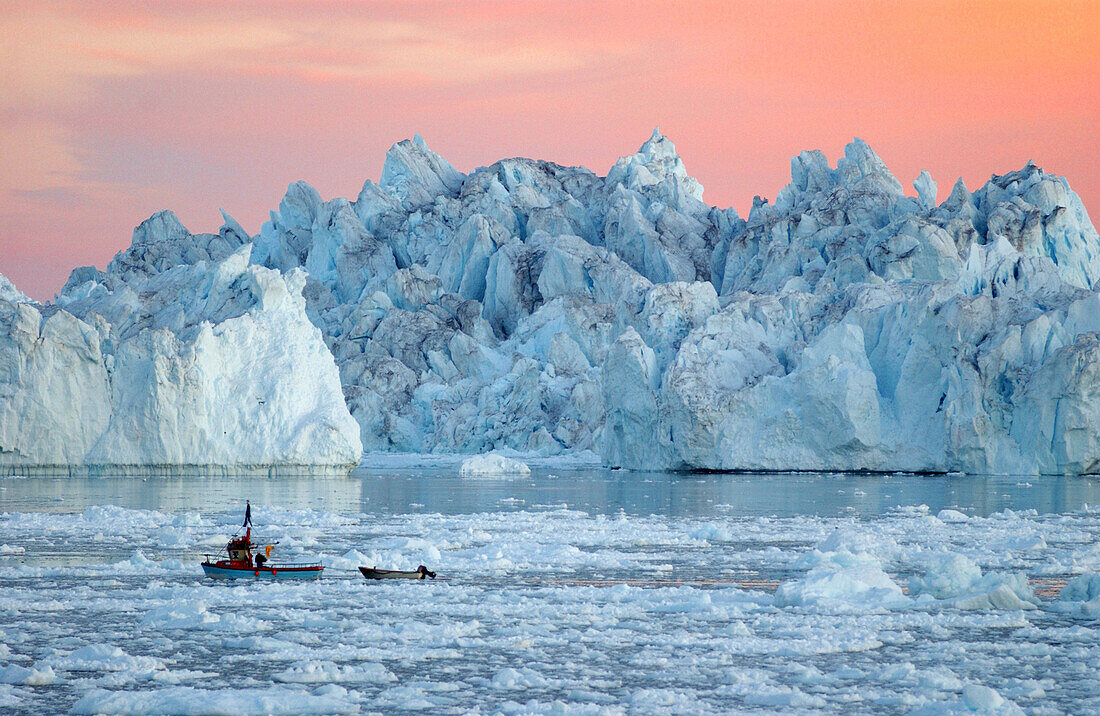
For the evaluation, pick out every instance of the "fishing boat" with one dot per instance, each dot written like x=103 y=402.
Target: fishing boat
x=242 y=564
x=419 y=573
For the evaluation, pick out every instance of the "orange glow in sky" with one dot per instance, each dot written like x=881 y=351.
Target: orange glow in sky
x=110 y=112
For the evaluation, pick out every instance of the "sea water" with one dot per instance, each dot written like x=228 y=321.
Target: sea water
x=586 y=591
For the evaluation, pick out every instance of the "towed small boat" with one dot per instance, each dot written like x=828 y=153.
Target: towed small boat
x=243 y=565
x=419 y=573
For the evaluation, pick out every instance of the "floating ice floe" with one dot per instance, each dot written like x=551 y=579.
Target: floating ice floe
x=326 y=672
x=191 y=700
x=955 y=581
x=26 y=676
x=492 y=464
x=951 y=516
x=976 y=699
x=104 y=658
x=843 y=581
x=1081 y=595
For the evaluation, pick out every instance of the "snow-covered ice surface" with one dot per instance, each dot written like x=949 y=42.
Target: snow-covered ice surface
x=566 y=591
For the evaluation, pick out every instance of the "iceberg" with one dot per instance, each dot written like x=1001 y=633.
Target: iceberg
x=1081 y=595
x=846 y=573
x=492 y=464
x=211 y=365
x=543 y=310
x=953 y=580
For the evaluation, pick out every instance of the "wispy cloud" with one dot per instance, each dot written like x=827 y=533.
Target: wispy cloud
x=56 y=56
x=50 y=53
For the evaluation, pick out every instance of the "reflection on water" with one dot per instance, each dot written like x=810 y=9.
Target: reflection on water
x=593 y=491
x=177 y=494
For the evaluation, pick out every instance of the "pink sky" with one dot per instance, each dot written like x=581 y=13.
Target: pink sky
x=111 y=112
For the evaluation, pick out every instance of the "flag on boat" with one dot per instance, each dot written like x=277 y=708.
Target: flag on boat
x=247 y=514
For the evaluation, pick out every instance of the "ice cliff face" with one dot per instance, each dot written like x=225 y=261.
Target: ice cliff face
x=547 y=309
x=847 y=326
x=181 y=353
x=861 y=329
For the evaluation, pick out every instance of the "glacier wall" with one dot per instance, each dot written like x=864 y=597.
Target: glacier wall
x=547 y=310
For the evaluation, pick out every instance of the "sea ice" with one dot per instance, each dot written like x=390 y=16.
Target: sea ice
x=728 y=611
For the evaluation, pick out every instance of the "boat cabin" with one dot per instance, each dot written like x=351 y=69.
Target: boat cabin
x=240 y=551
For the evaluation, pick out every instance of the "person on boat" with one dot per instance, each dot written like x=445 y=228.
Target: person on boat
x=260 y=559
x=240 y=548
